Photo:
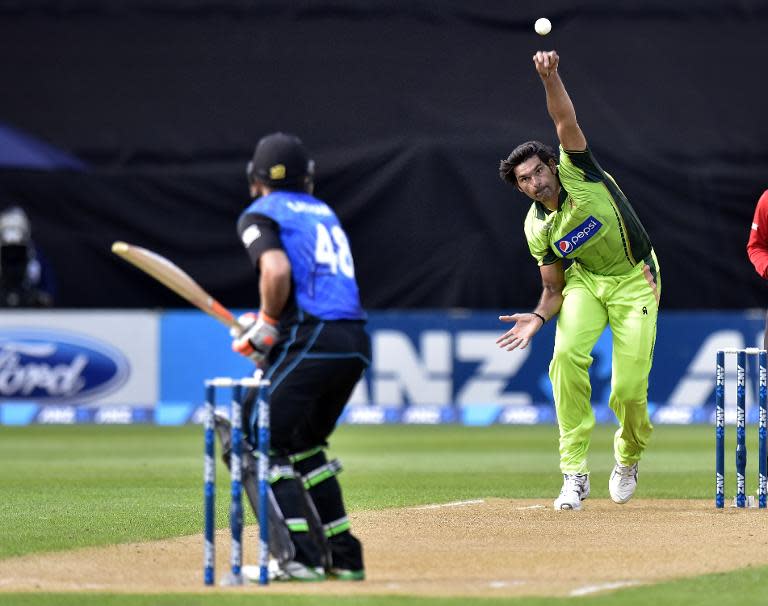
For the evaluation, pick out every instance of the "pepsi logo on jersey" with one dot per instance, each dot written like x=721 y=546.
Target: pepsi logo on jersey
x=577 y=237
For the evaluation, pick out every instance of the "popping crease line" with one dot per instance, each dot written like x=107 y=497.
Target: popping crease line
x=587 y=589
x=451 y=504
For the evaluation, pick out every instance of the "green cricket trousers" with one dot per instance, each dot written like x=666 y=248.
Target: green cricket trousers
x=590 y=302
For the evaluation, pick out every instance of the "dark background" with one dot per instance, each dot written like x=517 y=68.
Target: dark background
x=407 y=108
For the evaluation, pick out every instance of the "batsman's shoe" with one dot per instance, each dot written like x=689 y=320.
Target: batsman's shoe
x=295 y=571
x=623 y=482
x=342 y=574
x=575 y=489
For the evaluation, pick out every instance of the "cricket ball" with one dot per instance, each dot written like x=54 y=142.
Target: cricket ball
x=542 y=26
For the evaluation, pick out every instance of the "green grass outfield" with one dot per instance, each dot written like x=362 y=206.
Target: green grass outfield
x=76 y=486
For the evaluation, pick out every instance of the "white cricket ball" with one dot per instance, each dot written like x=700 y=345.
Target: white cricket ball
x=542 y=26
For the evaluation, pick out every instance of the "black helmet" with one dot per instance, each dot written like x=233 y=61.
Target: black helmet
x=281 y=161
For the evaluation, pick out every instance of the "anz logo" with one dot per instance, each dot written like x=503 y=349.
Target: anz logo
x=440 y=367
x=55 y=366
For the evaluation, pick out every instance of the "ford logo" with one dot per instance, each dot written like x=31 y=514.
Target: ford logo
x=55 y=366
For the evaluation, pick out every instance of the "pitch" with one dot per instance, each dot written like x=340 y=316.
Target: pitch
x=448 y=513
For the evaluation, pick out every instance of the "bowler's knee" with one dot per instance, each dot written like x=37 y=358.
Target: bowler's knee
x=565 y=359
x=630 y=391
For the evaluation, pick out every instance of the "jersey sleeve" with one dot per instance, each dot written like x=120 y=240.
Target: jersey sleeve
x=258 y=233
x=580 y=174
x=757 y=245
x=537 y=236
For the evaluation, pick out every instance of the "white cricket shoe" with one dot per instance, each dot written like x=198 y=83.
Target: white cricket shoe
x=623 y=482
x=575 y=489
x=286 y=571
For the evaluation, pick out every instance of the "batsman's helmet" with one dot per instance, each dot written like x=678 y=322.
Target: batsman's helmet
x=281 y=162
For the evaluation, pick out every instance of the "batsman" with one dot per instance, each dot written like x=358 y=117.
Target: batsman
x=309 y=337
x=597 y=268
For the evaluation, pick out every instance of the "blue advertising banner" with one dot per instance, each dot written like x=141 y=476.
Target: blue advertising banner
x=427 y=367
x=444 y=366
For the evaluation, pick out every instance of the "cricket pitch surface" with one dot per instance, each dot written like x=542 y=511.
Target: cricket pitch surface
x=483 y=547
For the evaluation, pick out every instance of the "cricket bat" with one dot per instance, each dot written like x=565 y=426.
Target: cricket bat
x=173 y=277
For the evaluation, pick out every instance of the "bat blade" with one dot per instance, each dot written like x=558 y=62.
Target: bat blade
x=176 y=279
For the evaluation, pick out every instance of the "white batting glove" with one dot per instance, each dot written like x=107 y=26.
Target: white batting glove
x=258 y=338
x=244 y=322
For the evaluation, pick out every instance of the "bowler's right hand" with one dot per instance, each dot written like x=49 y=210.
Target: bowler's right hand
x=526 y=325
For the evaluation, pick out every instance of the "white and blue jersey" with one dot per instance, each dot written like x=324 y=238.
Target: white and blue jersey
x=317 y=359
x=323 y=272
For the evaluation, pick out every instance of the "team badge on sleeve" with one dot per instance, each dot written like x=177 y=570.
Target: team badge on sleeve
x=251 y=234
x=572 y=240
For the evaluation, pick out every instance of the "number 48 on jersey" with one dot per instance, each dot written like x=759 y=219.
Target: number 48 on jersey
x=332 y=251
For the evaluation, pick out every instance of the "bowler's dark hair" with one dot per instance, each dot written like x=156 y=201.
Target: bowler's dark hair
x=520 y=154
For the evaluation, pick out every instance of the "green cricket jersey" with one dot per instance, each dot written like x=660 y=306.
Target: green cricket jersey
x=595 y=225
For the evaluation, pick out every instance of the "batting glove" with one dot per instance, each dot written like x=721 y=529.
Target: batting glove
x=244 y=322
x=257 y=338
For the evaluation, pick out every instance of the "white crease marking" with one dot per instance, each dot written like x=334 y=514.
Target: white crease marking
x=502 y=584
x=587 y=589
x=452 y=504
